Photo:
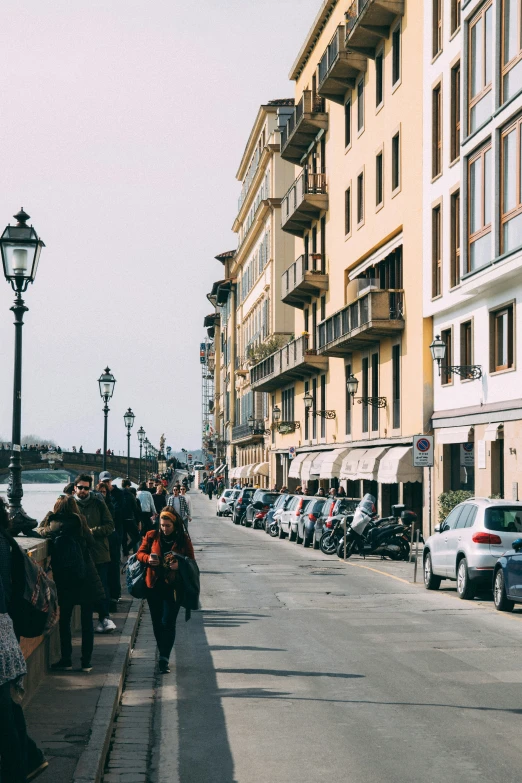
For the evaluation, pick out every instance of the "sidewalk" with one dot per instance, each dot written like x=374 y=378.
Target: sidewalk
x=63 y=709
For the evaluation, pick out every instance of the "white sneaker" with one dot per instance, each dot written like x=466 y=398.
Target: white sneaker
x=108 y=625
x=99 y=628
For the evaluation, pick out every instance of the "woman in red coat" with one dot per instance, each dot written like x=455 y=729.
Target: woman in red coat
x=162 y=579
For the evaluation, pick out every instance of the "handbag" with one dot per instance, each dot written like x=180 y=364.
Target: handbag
x=135 y=572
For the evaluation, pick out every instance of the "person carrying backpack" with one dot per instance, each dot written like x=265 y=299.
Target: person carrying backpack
x=76 y=577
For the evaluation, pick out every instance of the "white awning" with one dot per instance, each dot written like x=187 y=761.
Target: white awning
x=332 y=462
x=368 y=465
x=311 y=468
x=493 y=431
x=397 y=466
x=243 y=471
x=349 y=466
x=295 y=465
x=251 y=469
x=232 y=473
x=262 y=469
x=454 y=435
x=220 y=469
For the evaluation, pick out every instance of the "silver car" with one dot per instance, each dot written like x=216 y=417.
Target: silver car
x=467 y=545
x=225 y=501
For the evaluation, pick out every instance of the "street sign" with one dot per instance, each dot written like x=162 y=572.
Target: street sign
x=291 y=452
x=423 y=456
x=467 y=455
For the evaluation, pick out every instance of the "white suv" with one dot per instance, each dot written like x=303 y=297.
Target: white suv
x=466 y=546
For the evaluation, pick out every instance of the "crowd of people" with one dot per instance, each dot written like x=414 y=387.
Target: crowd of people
x=92 y=532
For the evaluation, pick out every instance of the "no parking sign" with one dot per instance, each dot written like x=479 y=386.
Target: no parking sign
x=423 y=451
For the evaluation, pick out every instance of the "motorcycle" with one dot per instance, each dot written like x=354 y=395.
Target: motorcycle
x=331 y=537
x=387 y=537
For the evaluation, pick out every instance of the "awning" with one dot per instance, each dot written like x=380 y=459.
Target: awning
x=377 y=256
x=494 y=431
x=454 y=435
x=243 y=471
x=251 y=469
x=349 y=466
x=397 y=466
x=295 y=465
x=312 y=466
x=232 y=473
x=332 y=462
x=368 y=465
x=262 y=469
x=220 y=469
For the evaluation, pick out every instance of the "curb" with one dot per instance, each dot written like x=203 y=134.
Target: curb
x=91 y=763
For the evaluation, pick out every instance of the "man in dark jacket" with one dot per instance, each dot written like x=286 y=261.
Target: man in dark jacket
x=100 y=521
x=118 y=505
x=131 y=533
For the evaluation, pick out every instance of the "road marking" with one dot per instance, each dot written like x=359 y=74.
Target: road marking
x=377 y=571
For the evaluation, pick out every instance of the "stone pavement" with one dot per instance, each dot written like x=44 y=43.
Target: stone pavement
x=60 y=714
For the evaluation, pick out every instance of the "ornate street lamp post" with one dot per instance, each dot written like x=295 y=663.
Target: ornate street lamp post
x=128 y=418
x=106 y=382
x=147 y=444
x=21 y=248
x=141 y=438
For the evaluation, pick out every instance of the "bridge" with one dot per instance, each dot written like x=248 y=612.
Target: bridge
x=74 y=463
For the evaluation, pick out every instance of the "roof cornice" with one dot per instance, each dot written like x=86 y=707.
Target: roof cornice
x=311 y=39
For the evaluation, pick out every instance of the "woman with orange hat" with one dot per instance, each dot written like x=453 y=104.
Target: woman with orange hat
x=158 y=551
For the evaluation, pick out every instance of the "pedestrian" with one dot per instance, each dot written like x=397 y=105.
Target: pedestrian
x=211 y=487
x=148 y=509
x=159 y=498
x=163 y=585
x=75 y=574
x=116 y=502
x=131 y=521
x=299 y=490
x=283 y=489
x=20 y=757
x=68 y=489
x=151 y=486
x=321 y=492
x=188 y=501
x=179 y=504
x=102 y=490
x=100 y=522
x=341 y=492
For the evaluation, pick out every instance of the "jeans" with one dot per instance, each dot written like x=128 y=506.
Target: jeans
x=210 y=494
x=66 y=610
x=164 y=613
x=115 y=540
x=18 y=752
x=103 y=606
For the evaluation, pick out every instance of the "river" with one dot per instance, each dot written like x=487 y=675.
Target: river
x=38 y=499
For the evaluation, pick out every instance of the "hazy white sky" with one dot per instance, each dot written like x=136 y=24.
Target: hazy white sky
x=122 y=126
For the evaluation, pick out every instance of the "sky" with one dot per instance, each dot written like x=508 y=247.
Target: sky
x=123 y=125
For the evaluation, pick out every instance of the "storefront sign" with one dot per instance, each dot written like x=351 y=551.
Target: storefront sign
x=467 y=455
x=423 y=451
x=481 y=454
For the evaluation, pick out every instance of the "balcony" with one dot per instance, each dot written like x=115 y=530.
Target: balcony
x=368 y=23
x=375 y=315
x=303 y=125
x=304 y=202
x=303 y=280
x=339 y=68
x=292 y=363
x=246 y=434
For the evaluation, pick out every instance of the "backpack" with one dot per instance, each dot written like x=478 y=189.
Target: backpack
x=68 y=562
x=135 y=572
x=34 y=604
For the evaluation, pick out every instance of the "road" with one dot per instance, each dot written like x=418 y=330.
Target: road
x=302 y=668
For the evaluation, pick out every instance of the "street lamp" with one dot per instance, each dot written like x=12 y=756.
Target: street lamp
x=352 y=384
x=21 y=248
x=276 y=414
x=128 y=418
x=147 y=444
x=309 y=404
x=141 y=438
x=470 y=372
x=106 y=382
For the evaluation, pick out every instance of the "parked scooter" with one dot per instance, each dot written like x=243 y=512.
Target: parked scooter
x=387 y=537
x=331 y=537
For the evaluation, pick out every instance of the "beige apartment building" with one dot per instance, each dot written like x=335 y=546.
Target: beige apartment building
x=354 y=282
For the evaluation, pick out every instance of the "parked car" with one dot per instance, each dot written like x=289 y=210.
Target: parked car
x=334 y=508
x=507 y=578
x=467 y=545
x=264 y=500
x=290 y=515
x=225 y=502
x=241 y=503
x=306 y=522
x=278 y=507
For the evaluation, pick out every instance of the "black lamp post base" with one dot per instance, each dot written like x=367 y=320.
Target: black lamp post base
x=22 y=523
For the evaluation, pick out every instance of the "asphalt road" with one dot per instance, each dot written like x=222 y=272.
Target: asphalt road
x=302 y=668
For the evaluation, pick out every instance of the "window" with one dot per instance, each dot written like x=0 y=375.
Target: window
x=375 y=390
x=379 y=78
x=314 y=408
x=480 y=67
x=436 y=250
x=306 y=314
x=365 y=394
x=396 y=162
x=455 y=239
x=501 y=339
x=323 y=245
x=348 y=211
x=437 y=28
x=360 y=105
x=360 y=198
x=287 y=404
x=396 y=55
x=323 y=308
x=347 y=373
x=348 y=123
x=379 y=193
x=511 y=48
x=479 y=207
x=323 y=404
x=455 y=16
x=511 y=198
x=445 y=336
x=307 y=417
x=436 y=131
x=455 y=112
x=396 y=386
x=466 y=344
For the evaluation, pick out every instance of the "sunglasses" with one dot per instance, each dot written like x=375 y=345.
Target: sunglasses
x=82 y=487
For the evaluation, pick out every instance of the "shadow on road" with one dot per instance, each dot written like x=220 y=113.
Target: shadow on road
x=218 y=647
x=285 y=673
x=223 y=619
